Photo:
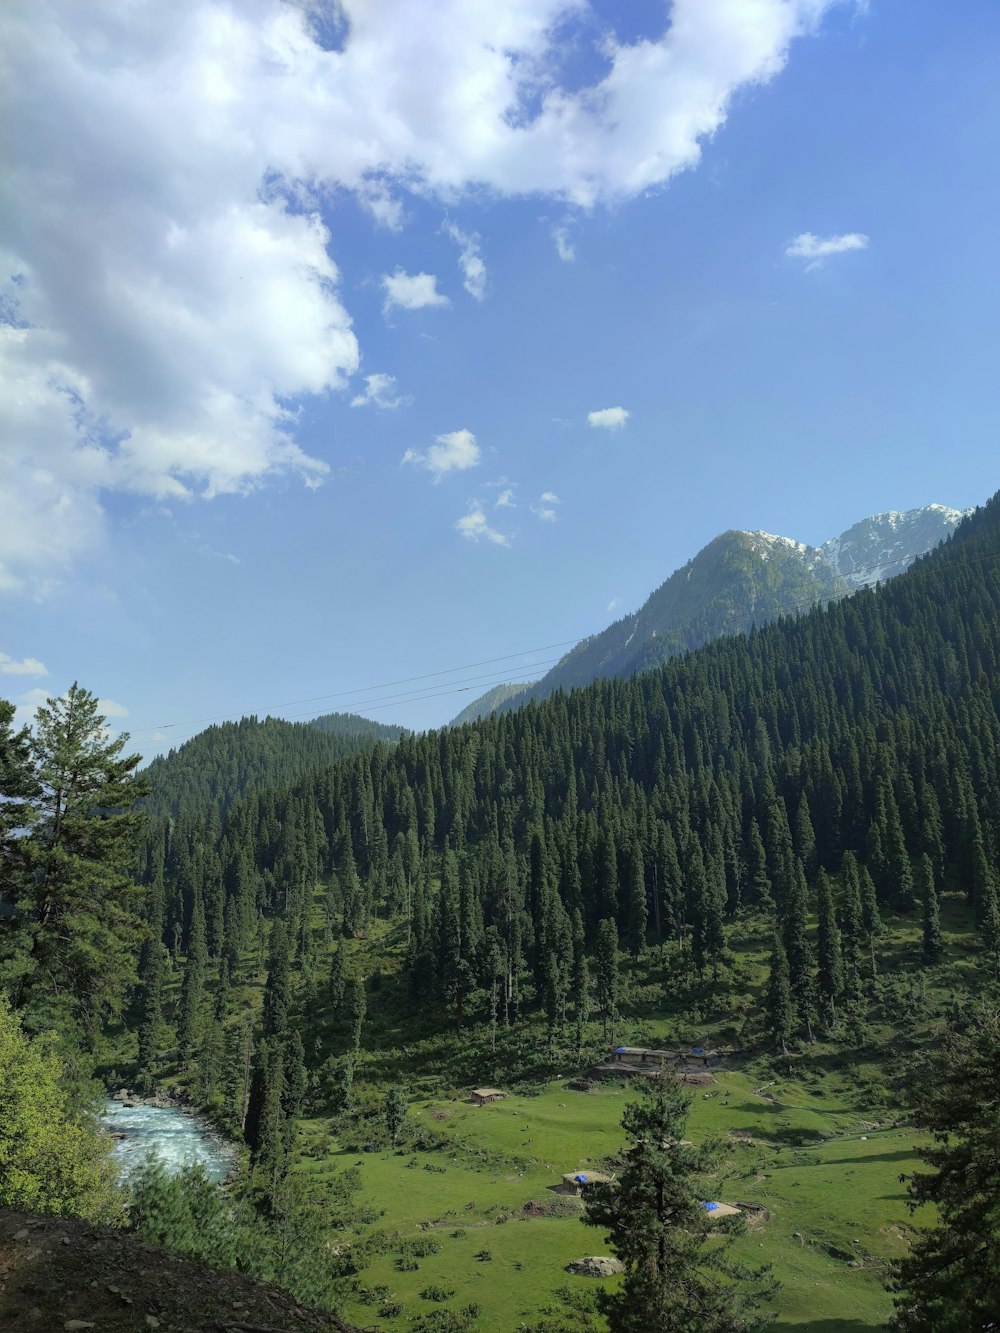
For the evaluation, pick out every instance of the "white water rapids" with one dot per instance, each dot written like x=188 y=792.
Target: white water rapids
x=177 y=1138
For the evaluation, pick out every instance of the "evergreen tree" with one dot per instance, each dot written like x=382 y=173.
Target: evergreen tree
x=680 y=1273
x=70 y=955
x=359 y=1008
x=779 y=1008
x=395 y=1112
x=950 y=1280
x=606 y=971
x=831 y=971
x=931 y=911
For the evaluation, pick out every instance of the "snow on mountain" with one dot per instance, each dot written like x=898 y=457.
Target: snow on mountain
x=878 y=548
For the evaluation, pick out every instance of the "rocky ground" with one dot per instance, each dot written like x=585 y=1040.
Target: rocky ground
x=62 y=1274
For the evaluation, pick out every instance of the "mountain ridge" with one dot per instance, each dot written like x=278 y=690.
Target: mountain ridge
x=741 y=578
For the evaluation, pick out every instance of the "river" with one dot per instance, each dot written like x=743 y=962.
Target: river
x=178 y=1139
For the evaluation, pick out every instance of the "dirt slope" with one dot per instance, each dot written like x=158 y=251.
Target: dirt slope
x=54 y=1271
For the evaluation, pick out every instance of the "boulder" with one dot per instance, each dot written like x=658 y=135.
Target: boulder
x=595 y=1265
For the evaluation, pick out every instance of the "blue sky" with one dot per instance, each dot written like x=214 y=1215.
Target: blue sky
x=223 y=239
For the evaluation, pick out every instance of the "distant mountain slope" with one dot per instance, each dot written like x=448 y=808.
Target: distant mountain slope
x=740 y=579
x=881 y=547
x=223 y=762
x=490 y=701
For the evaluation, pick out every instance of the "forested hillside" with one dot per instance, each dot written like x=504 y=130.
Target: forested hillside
x=857 y=742
x=224 y=761
x=738 y=581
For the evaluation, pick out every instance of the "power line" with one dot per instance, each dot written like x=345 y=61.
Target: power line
x=709 y=628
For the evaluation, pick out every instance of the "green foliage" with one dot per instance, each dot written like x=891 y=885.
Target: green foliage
x=680 y=1273
x=185 y=1212
x=52 y=1160
x=68 y=951
x=950 y=1281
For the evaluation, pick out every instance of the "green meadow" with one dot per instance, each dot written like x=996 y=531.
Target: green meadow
x=826 y=1177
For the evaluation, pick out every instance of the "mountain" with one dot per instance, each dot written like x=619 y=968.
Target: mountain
x=489 y=702
x=880 y=547
x=740 y=579
x=223 y=762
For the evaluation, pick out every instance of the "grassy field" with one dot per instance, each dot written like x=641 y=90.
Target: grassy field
x=466 y=1216
x=827 y=1176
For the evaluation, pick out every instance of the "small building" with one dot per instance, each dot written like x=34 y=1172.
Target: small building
x=483 y=1096
x=717 y=1211
x=574 y=1181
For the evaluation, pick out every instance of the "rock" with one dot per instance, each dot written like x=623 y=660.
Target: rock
x=72 y=1325
x=152 y=1321
x=23 y=1234
x=595 y=1265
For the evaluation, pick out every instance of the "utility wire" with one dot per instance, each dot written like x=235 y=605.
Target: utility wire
x=709 y=628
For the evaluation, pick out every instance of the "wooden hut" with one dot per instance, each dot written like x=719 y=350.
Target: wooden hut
x=574 y=1181
x=483 y=1096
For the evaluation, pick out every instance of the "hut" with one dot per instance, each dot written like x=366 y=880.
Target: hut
x=717 y=1211
x=629 y=1060
x=574 y=1181
x=483 y=1096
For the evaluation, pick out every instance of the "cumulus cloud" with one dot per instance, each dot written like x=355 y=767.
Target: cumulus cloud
x=380 y=391
x=816 y=249
x=565 y=248
x=544 y=507
x=112 y=709
x=173 y=291
x=614 y=604
x=475 y=527
x=505 y=500
x=608 y=418
x=411 y=291
x=26 y=705
x=470 y=261
x=456 y=451
x=25 y=666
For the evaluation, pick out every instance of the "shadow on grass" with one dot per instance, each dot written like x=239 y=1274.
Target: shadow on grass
x=834 y=1326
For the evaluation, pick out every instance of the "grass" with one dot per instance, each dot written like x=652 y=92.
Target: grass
x=837 y=1208
x=829 y=1136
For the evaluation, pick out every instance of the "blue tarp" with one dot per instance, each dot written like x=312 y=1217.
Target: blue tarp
x=620 y=1050
x=709 y=1206
x=698 y=1050
x=582 y=1180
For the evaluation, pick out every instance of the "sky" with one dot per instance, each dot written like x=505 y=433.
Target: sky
x=360 y=356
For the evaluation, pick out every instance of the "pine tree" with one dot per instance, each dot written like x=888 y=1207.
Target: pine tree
x=358 y=1010
x=831 y=970
x=950 y=1280
x=395 y=1112
x=75 y=940
x=606 y=970
x=680 y=1273
x=799 y=950
x=189 y=1027
x=930 y=910
x=779 y=1008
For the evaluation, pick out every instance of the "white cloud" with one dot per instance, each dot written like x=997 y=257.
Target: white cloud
x=565 y=248
x=470 y=261
x=505 y=500
x=614 y=604
x=474 y=527
x=25 y=666
x=176 y=292
x=545 y=507
x=608 y=418
x=380 y=391
x=456 y=451
x=112 y=709
x=411 y=291
x=26 y=705
x=816 y=249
